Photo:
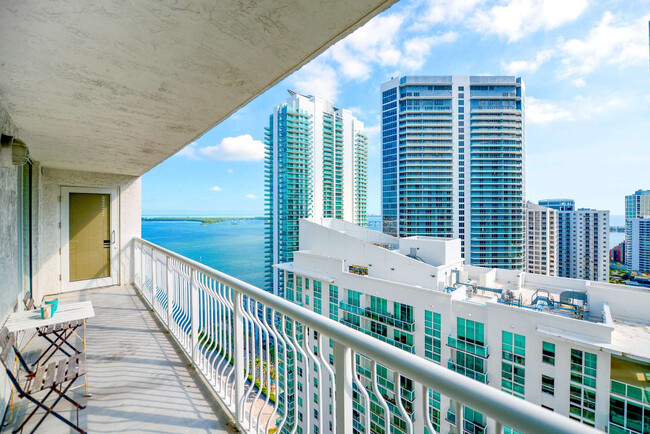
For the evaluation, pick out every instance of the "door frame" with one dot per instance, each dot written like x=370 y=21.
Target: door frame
x=114 y=277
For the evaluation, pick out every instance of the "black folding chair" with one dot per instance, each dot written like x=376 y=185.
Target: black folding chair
x=56 y=377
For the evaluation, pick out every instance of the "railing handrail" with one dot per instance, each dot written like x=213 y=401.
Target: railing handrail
x=509 y=410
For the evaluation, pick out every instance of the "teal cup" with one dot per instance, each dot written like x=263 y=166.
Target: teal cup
x=54 y=304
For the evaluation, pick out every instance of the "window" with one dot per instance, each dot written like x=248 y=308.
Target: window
x=548 y=353
x=334 y=302
x=582 y=389
x=548 y=385
x=354 y=298
x=379 y=305
x=318 y=293
x=378 y=328
x=513 y=361
x=432 y=336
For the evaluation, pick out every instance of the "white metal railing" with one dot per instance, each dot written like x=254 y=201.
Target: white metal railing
x=262 y=353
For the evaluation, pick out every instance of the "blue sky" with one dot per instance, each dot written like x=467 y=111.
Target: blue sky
x=587 y=74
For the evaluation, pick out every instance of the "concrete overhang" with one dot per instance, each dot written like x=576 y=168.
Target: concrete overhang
x=117 y=87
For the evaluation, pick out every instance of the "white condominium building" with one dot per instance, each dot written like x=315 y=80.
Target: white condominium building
x=583 y=241
x=315 y=166
x=576 y=347
x=541 y=240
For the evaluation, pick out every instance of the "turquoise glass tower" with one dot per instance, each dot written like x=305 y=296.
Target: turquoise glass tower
x=316 y=158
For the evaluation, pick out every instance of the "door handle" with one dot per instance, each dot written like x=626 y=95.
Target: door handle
x=112 y=237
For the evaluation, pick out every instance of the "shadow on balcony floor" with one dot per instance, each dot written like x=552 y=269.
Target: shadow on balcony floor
x=139 y=380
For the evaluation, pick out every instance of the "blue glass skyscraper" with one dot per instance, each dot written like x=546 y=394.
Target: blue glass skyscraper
x=453 y=163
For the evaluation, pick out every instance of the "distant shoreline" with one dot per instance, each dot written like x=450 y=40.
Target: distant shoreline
x=202 y=220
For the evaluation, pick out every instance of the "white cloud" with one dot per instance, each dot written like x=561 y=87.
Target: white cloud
x=515 y=19
x=418 y=48
x=612 y=42
x=229 y=170
x=516 y=67
x=580 y=108
x=317 y=78
x=250 y=196
x=215 y=188
x=374 y=42
x=579 y=82
x=189 y=152
x=240 y=148
x=542 y=112
x=383 y=41
x=445 y=11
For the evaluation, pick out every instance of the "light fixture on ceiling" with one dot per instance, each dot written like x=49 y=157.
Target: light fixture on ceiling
x=13 y=151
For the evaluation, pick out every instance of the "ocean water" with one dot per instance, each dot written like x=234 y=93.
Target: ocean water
x=233 y=247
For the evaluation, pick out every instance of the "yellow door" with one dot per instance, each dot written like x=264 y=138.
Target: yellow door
x=90 y=236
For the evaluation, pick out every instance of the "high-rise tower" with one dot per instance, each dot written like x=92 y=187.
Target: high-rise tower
x=316 y=166
x=541 y=240
x=583 y=241
x=453 y=163
x=637 y=206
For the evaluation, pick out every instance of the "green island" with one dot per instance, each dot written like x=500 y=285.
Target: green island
x=202 y=220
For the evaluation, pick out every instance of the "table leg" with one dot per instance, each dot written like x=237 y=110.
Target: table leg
x=84 y=347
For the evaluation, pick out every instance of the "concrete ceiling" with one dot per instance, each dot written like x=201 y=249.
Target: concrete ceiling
x=117 y=86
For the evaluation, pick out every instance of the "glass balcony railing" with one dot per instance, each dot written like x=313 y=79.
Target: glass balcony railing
x=468 y=347
x=470 y=373
x=641 y=394
x=387 y=318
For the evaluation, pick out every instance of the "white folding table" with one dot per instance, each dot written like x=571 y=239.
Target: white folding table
x=71 y=313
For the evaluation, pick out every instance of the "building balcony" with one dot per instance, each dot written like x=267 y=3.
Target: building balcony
x=468 y=347
x=467 y=372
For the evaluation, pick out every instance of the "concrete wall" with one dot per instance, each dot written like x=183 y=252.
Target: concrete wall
x=9 y=260
x=48 y=239
x=10 y=282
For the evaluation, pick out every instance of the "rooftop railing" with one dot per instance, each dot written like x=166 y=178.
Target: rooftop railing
x=243 y=340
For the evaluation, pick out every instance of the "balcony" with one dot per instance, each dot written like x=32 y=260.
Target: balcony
x=468 y=347
x=467 y=372
x=138 y=379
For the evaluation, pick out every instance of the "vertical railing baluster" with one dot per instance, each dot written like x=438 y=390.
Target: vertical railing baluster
x=142 y=278
x=194 y=314
x=459 y=417
x=380 y=397
x=425 y=407
x=344 y=368
x=170 y=291
x=153 y=280
x=238 y=336
x=397 y=377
